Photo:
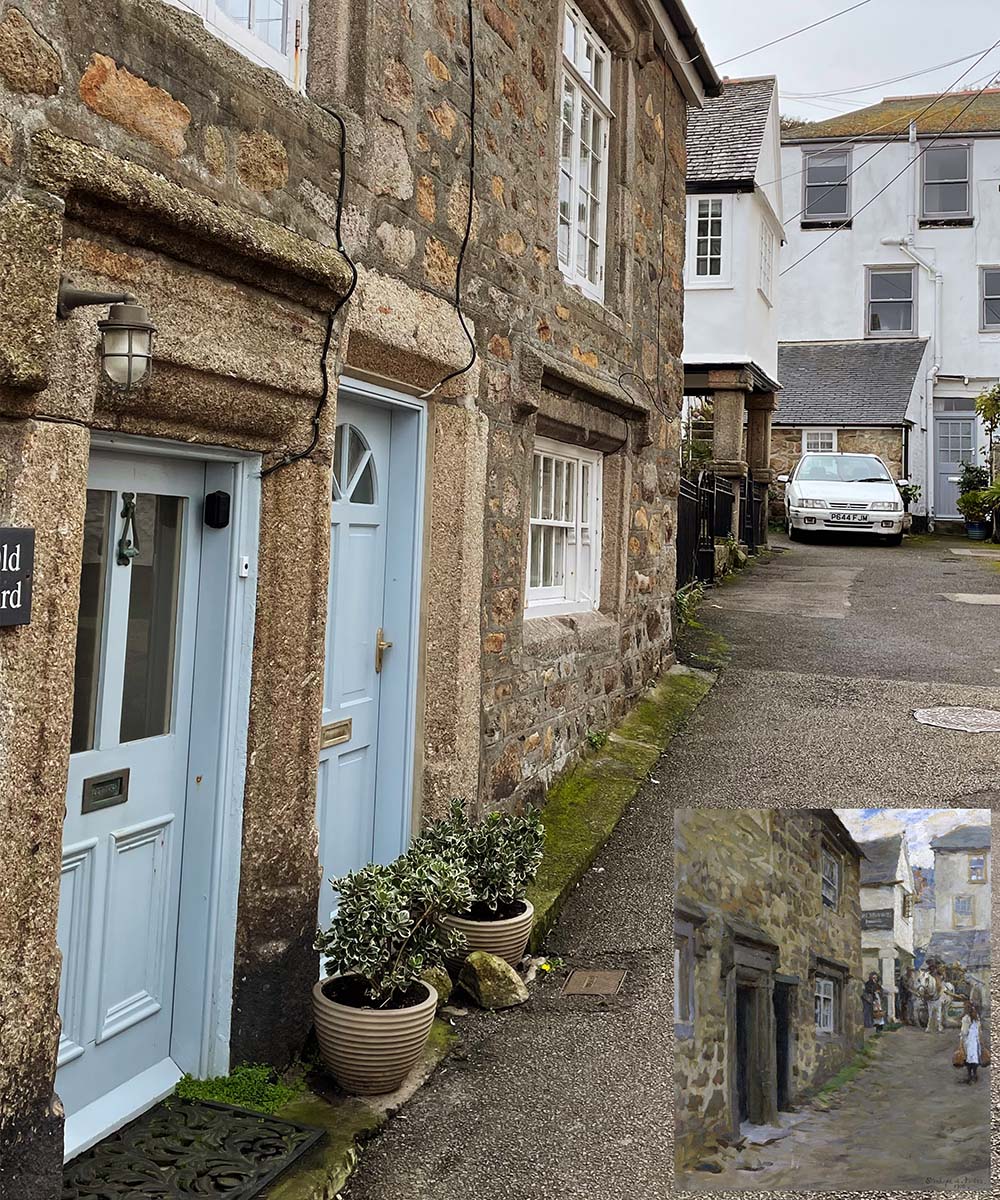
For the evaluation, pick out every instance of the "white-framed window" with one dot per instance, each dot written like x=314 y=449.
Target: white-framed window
x=962 y=910
x=977 y=868
x=585 y=122
x=708 y=253
x=765 y=277
x=270 y=32
x=831 y=878
x=891 y=302
x=826 y=1004
x=947 y=191
x=990 y=311
x=819 y=441
x=826 y=192
x=684 y=966
x=564 y=539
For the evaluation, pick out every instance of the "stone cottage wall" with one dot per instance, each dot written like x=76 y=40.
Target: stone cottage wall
x=140 y=153
x=761 y=867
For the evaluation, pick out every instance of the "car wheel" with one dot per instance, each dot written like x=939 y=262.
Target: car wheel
x=794 y=534
x=895 y=539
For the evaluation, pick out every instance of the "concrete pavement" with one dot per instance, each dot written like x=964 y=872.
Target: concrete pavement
x=571 y=1097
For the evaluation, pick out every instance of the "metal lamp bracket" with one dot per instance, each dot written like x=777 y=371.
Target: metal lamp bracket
x=70 y=297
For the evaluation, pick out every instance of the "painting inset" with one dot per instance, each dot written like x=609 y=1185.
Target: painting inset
x=832 y=999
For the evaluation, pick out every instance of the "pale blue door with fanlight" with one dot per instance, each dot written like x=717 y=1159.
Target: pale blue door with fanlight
x=366 y=745
x=125 y=803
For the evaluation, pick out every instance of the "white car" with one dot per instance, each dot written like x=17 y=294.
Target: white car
x=843 y=491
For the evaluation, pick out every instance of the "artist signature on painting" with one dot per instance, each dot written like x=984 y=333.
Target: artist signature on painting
x=954 y=1181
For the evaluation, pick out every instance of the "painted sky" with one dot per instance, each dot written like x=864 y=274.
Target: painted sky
x=919 y=824
x=880 y=41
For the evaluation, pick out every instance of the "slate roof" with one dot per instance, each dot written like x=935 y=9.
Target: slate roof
x=847 y=383
x=965 y=837
x=967 y=947
x=881 y=859
x=891 y=118
x=724 y=138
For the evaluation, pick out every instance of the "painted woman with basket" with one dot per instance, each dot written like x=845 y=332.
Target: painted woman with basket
x=873 y=1004
x=970 y=1053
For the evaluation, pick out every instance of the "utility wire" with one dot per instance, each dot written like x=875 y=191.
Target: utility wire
x=324 y=361
x=899 y=174
x=794 y=33
x=870 y=87
x=885 y=145
x=468 y=217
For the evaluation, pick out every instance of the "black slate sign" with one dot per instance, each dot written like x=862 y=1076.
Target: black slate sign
x=876 y=918
x=17 y=565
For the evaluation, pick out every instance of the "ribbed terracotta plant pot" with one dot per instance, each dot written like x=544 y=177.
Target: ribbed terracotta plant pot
x=507 y=939
x=370 y=1051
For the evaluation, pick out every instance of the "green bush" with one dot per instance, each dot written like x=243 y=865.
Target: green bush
x=500 y=855
x=973 y=478
x=387 y=927
x=977 y=505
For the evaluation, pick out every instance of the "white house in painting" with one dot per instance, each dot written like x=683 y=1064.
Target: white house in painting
x=734 y=231
x=887 y=904
x=962 y=903
x=917 y=263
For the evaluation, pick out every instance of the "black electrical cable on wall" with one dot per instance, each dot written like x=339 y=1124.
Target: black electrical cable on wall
x=468 y=216
x=324 y=361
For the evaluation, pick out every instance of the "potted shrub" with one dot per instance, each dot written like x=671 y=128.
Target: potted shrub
x=373 y=1012
x=500 y=856
x=977 y=507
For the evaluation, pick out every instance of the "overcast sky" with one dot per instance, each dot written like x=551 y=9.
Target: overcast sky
x=884 y=39
x=920 y=825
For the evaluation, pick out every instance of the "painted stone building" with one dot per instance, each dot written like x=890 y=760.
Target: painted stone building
x=767 y=964
x=963 y=904
x=320 y=538
x=887 y=913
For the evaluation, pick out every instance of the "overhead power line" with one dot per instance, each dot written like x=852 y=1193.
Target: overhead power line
x=881 y=192
x=870 y=87
x=794 y=33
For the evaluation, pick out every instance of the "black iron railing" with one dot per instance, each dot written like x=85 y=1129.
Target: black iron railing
x=753 y=514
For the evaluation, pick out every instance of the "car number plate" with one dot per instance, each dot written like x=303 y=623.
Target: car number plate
x=857 y=518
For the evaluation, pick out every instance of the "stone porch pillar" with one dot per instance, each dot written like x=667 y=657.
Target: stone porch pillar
x=760 y=407
x=729 y=393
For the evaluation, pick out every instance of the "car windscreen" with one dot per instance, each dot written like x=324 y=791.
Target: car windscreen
x=836 y=468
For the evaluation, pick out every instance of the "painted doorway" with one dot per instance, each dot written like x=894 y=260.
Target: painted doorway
x=144 y=836
x=954 y=445
x=366 y=762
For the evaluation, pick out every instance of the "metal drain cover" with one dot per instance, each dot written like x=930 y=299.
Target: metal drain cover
x=593 y=983
x=967 y=720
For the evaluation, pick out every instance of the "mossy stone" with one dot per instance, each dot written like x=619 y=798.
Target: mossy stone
x=492 y=982
x=440 y=981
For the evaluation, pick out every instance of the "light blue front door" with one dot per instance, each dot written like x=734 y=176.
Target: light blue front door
x=365 y=763
x=125 y=803
x=954 y=446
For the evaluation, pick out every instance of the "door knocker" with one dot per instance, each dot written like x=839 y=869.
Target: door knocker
x=128 y=546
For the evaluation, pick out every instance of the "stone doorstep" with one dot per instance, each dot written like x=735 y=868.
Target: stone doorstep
x=968 y=553
x=349 y=1122
x=972 y=597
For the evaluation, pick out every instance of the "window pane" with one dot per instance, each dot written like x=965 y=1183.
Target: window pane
x=269 y=22
x=536 y=487
x=826 y=200
x=535 y=553
x=546 y=488
x=547 y=532
x=570 y=494
x=946 y=197
x=891 y=285
x=946 y=162
x=828 y=167
x=559 y=489
x=90 y=625
x=558 y=556
x=152 y=618
x=569 y=38
x=991 y=313
x=236 y=10
x=991 y=284
x=892 y=315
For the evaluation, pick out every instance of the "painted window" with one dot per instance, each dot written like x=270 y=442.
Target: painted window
x=977 y=868
x=271 y=32
x=991 y=298
x=891 y=302
x=766 y=273
x=353 y=467
x=827 y=191
x=564 y=542
x=831 y=879
x=946 y=189
x=908 y=902
x=684 y=1003
x=819 y=441
x=962 y=910
x=825 y=1000
x=583 y=153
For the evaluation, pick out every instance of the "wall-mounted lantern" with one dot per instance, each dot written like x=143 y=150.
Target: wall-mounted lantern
x=126 y=333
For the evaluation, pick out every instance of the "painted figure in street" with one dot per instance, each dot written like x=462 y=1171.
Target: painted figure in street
x=970 y=1041
x=873 y=1004
x=936 y=992
x=912 y=998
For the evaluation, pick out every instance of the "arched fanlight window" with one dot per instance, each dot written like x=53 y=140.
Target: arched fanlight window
x=353 y=467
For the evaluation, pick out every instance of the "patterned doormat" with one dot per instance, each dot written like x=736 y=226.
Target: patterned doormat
x=188 y=1148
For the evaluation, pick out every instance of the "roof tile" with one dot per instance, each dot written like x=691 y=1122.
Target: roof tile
x=724 y=138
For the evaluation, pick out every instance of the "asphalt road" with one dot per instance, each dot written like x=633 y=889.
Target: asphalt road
x=832 y=648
